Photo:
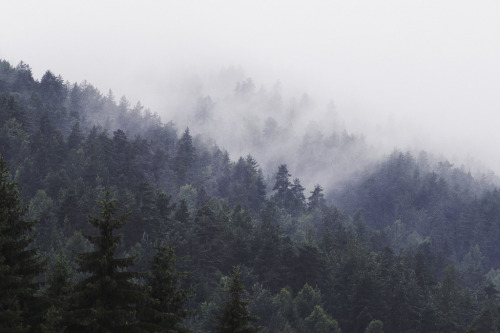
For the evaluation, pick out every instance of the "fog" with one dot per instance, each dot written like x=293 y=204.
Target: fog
x=405 y=74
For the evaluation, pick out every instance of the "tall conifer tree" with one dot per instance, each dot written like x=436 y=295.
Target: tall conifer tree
x=57 y=294
x=19 y=260
x=234 y=316
x=167 y=312
x=108 y=299
x=185 y=157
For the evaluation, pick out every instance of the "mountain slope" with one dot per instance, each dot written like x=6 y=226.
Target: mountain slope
x=408 y=242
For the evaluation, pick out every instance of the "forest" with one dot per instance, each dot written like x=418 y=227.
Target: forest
x=113 y=220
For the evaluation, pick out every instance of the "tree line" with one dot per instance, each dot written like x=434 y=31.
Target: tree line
x=408 y=246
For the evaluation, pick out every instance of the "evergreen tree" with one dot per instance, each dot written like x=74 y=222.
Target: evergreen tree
x=182 y=212
x=108 y=299
x=185 y=157
x=53 y=321
x=76 y=137
x=247 y=186
x=209 y=245
x=58 y=293
x=317 y=198
x=167 y=312
x=268 y=245
x=241 y=236
x=282 y=184
x=11 y=108
x=257 y=197
x=298 y=200
x=306 y=300
x=320 y=322
x=298 y=192
x=375 y=326
x=283 y=194
x=234 y=316
x=19 y=261
x=288 y=195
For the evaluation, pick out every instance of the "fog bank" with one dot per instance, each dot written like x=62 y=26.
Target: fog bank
x=410 y=75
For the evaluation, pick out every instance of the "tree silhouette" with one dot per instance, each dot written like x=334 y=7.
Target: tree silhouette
x=19 y=261
x=234 y=316
x=108 y=299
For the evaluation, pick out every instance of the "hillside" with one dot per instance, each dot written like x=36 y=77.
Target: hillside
x=406 y=241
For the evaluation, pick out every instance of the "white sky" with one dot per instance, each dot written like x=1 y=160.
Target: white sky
x=428 y=72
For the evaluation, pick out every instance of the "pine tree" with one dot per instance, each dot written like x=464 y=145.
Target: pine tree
x=108 y=299
x=20 y=262
x=168 y=310
x=234 y=316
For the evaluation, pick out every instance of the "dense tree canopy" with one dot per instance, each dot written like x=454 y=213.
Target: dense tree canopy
x=234 y=316
x=19 y=261
x=408 y=245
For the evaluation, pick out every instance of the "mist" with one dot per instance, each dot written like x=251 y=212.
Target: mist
x=392 y=74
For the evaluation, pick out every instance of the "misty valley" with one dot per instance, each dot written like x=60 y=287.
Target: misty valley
x=238 y=214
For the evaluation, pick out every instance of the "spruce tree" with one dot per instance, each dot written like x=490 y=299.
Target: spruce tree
x=57 y=295
x=108 y=299
x=282 y=184
x=185 y=157
x=19 y=260
x=167 y=312
x=317 y=198
x=234 y=316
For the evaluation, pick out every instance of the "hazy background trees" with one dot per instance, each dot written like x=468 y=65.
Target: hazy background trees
x=408 y=243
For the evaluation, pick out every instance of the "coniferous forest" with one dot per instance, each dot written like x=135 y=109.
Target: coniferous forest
x=113 y=220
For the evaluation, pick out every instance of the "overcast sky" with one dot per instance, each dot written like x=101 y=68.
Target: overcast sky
x=428 y=71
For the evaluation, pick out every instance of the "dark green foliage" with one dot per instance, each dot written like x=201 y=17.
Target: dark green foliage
x=306 y=301
x=439 y=202
x=375 y=326
x=246 y=187
x=234 y=316
x=24 y=80
x=168 y=310
x=488 y=317
x=184 y=159
x=14 y=142
x=57 y=294
x=52 y=88
x=317 y=199
x=19 y=260
x=320 y=322
x=269 y=246
x=53 y=321
x=11 y=108
x=108 y=299
x=242 y=236
x=48 y=147
x=380 y=255
x=282 y=186
x=288 y=195
x=308 y=266
x=208 y=246
x=76 y=137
